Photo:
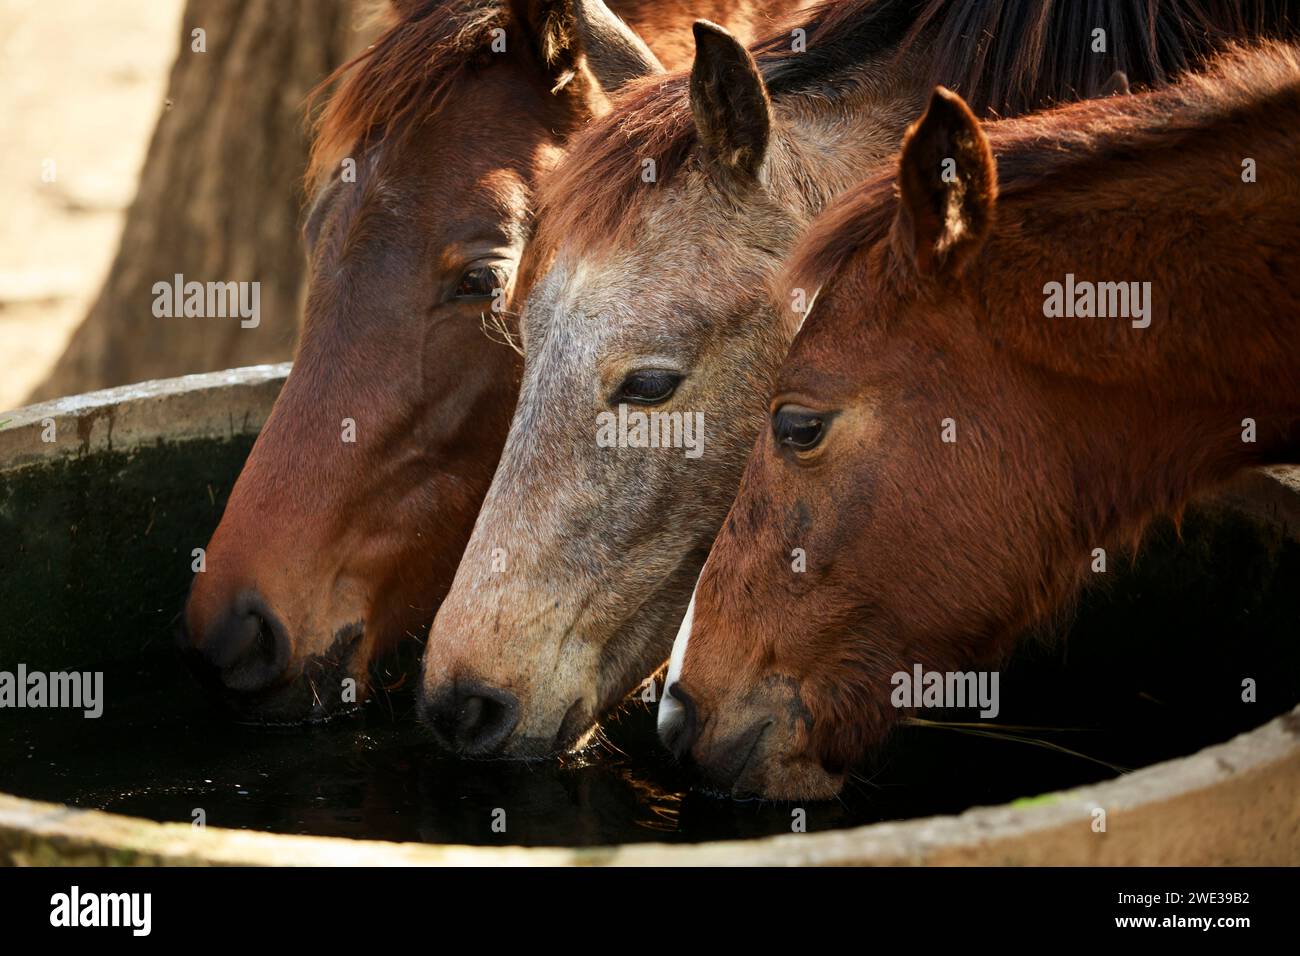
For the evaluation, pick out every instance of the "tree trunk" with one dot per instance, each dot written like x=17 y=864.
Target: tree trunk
x=219 y=199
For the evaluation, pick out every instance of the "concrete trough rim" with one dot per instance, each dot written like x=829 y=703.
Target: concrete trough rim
x=1241 y=797
x=205 y=405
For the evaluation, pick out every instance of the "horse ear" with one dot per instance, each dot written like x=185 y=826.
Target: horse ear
x=1117 y=85
x=546 y=27
x=733 y=115
x=947 y=185
x=614 y=53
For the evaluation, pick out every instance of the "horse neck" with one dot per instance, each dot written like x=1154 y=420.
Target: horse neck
x=1146 y=418
x=1221 y=257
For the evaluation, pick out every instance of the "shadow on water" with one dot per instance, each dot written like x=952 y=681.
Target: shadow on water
x=94 y=567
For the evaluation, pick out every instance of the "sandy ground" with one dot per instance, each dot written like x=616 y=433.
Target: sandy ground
x=81 y=84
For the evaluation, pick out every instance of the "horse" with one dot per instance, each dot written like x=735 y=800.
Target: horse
x=949 y=444
x=343 y=530
x=657 y=239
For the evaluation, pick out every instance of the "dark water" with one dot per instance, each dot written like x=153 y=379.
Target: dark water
x=160 y=752
x=94 y=564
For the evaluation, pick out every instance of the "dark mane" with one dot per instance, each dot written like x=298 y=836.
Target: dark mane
x=1009 y=57
x=1006 y=57
x=1031 y=151
x=404 y=77
x=840 y=35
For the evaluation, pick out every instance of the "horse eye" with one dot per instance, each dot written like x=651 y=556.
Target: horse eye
x=648 y=387
x=798 y=428
x=479 y=282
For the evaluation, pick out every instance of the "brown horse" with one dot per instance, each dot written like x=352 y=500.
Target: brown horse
x=658 y=238
x=343 y=531
x=947 y=444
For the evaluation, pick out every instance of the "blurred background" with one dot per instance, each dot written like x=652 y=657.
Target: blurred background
x=130 y=155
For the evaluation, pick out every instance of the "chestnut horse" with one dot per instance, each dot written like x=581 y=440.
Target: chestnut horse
x=657 y=240
x=342 y=533
x=948 y=447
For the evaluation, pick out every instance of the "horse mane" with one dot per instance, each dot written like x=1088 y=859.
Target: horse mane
x=1010 y=57
x=404 y=78
x=1240 y=84
x=1005 y=57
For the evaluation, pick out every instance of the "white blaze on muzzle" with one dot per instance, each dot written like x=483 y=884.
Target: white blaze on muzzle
x=670 y=708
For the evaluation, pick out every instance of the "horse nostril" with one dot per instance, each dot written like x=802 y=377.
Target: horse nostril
x=248 y=647
x=680 y=735
x=470 y=718
x=265 y=638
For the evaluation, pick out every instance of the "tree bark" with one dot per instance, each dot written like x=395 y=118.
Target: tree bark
x=219 y=199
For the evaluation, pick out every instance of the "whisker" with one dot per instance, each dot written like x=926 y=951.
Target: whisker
x=1046 y=744
x=495 y=326
x=924 y=722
